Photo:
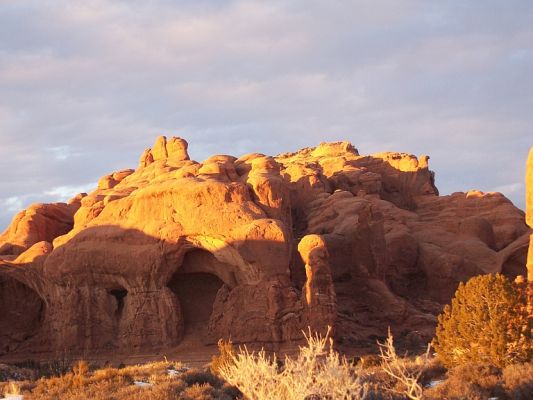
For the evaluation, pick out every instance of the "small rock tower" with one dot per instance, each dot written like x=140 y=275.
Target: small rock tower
x=529 y=212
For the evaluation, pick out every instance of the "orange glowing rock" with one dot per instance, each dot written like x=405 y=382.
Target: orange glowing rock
x=254 y=249
x=529 y=211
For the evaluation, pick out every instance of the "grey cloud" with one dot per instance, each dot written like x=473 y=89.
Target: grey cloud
x=86 y=85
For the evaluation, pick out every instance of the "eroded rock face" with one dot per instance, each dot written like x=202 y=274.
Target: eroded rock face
x=254 y=248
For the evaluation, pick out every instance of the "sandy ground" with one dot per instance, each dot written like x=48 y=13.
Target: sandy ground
x=192 y=351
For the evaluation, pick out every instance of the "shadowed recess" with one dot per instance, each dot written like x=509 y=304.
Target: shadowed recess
x=22 y=314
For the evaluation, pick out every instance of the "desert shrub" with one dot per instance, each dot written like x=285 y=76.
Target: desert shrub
x=405 y=374
x=118 y=384
x=483 y=381
x=470 y=382
x=433 y=371
x=377 y=384
x=80 y=370
x=487 y=322
x=198 y=392
x=369 y=360
x=228 y=391
x=104 y=374
x=12 y=388
x=317 y=370
x=394 y=377
x=226 y=352
x=56 y=386
x=518 y=381
x=201 y=376
x=143 y=372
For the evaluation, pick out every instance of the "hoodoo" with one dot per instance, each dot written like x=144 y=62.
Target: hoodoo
x=254 y=248
x=529 y=212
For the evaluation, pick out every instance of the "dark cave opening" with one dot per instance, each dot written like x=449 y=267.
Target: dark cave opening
x=196 y=287
x=119 y=295
x=22 y=314
x=196 y=293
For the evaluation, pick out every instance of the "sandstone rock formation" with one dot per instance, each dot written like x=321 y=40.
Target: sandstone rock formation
x=254 y=248
x=529 y=212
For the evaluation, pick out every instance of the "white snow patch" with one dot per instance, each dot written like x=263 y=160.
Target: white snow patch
x=142 y=384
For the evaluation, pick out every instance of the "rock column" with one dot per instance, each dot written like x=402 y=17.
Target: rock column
x=529 y=212
x=320 y=301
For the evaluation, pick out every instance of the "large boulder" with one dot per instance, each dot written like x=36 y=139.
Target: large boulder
x=37 y=223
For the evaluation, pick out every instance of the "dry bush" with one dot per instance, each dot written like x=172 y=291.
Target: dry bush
x=197 y=376
x=21 y=386
x=52 y=387
x=376 y=381
x=144 y=371
x=226 y=353
x=391 y=377
x=469 y=382
x=115 y=387
x=405 y=374
x=368 y=361
x=12 y=388
x=104 y=374
x=432 y=371
x=518 y=381
x=79 y=371
x=198 y=392
x=256 y=375
x=228 y=392
x=317 y=370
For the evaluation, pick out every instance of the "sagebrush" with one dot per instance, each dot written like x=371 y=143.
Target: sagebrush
x=317 y=370
x=406 y=380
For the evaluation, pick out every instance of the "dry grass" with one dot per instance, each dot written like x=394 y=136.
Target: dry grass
x=318 y=371
x=226 y=353
x=12 y=389
x=120 y=384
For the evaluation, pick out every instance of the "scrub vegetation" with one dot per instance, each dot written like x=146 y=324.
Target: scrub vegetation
x=483 y=350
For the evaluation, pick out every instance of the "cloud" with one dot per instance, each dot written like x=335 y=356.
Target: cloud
x=10 y=206
x=64 y=193
x=85 y=86
x=511 y=188
x=13 y=204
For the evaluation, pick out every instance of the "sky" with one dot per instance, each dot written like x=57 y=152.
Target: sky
x=86 y=86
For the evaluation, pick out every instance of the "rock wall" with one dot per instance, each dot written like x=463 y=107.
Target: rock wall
x=324 y=236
